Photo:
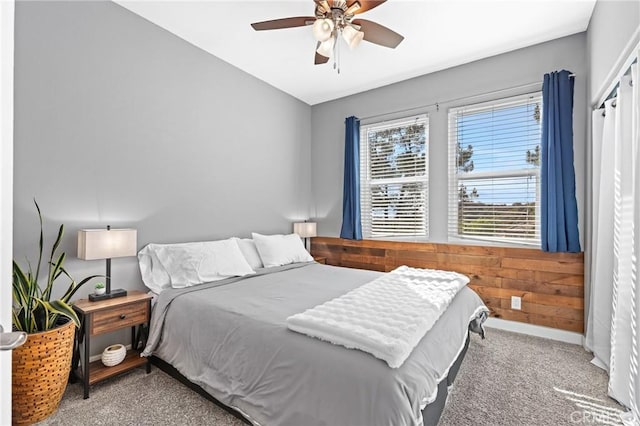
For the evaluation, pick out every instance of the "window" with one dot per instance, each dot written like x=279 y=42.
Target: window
x=494 y=170
x=393 y=178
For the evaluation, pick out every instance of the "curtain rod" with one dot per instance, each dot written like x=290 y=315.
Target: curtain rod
x=614 y=92
x=437 y=104
x=627 y=56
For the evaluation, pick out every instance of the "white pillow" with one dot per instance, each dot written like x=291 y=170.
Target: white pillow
x=187 y=264
x=154 y=276
x=276 y=250
x=250 y=252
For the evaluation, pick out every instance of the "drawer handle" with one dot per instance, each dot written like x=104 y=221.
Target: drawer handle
x=122 y=316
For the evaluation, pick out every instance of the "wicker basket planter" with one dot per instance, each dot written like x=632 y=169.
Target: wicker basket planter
x=40 y=373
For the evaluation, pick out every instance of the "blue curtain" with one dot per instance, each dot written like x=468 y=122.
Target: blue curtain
x=558 y=198
x=351 y=224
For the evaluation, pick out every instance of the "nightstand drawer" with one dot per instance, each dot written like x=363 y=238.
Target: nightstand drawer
x=115 y=319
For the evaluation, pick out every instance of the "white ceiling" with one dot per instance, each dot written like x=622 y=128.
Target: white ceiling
x=438 y=34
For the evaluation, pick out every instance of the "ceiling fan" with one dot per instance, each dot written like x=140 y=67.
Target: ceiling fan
x=334 y=18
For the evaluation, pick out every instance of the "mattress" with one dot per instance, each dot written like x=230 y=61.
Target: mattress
x=230 y=338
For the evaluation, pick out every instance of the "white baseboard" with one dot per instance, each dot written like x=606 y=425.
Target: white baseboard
x=535 y=330
x=99 y=356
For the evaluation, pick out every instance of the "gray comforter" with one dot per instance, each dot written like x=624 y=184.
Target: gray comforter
x=231 y=338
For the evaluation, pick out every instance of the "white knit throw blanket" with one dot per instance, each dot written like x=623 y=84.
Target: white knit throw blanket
x=386 y=317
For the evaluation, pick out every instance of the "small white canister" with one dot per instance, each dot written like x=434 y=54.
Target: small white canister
x=113 y=355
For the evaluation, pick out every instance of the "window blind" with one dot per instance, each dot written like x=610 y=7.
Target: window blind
x=393 y=177
x=494 y=170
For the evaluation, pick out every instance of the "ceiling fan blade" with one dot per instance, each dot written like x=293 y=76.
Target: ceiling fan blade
x=276 y=24
x=378 y=34
x=319 y=59
x=367 y=5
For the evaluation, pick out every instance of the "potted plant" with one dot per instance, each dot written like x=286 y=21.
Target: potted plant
x=40 y=367
x=100 y=289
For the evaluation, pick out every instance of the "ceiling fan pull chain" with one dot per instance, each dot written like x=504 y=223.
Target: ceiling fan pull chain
x=336 y=53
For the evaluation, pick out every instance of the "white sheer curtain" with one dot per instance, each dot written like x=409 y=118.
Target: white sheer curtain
x=634 y=386
x=614 y=311
x=598 y=338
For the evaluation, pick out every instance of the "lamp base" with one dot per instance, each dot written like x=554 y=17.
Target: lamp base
x=118 y=292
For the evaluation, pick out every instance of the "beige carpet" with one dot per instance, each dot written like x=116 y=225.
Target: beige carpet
x=507 y=379
x=513 y=379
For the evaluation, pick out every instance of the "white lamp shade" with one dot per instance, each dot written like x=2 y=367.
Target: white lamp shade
x=322 y=29
x=326 y=47
x=305 y=229
x=352 y=36
x=106 y=244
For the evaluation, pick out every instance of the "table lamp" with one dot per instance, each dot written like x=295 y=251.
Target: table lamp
x=305 y=230
x=107 y=244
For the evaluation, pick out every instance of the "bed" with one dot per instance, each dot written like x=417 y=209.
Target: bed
x=229 y=338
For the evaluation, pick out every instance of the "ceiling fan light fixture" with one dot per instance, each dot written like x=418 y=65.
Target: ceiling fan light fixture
x=326 y=47
x=323 y=29
x=353 y=8
x=334 y=19
x=325 y=5
x=352 y=36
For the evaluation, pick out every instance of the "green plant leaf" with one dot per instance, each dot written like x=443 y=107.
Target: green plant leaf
x=58 y=239
x=58 y=307
x=20 y=285
x=53 y=272
x=58 y=274
x=22 y=296
x=40 y=315
x=74 y=287
x=17 y=322
x=33 y=310
x=41 y=243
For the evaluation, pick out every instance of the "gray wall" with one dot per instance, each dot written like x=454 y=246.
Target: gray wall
x=119 y=122
x=514 y=69
x=611 y=29
x=614 y=27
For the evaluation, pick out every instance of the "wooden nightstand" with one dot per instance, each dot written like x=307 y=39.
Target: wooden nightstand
x=320 y=259
x=105 y=316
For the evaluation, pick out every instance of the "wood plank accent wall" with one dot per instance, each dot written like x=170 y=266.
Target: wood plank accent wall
x=551 y=284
